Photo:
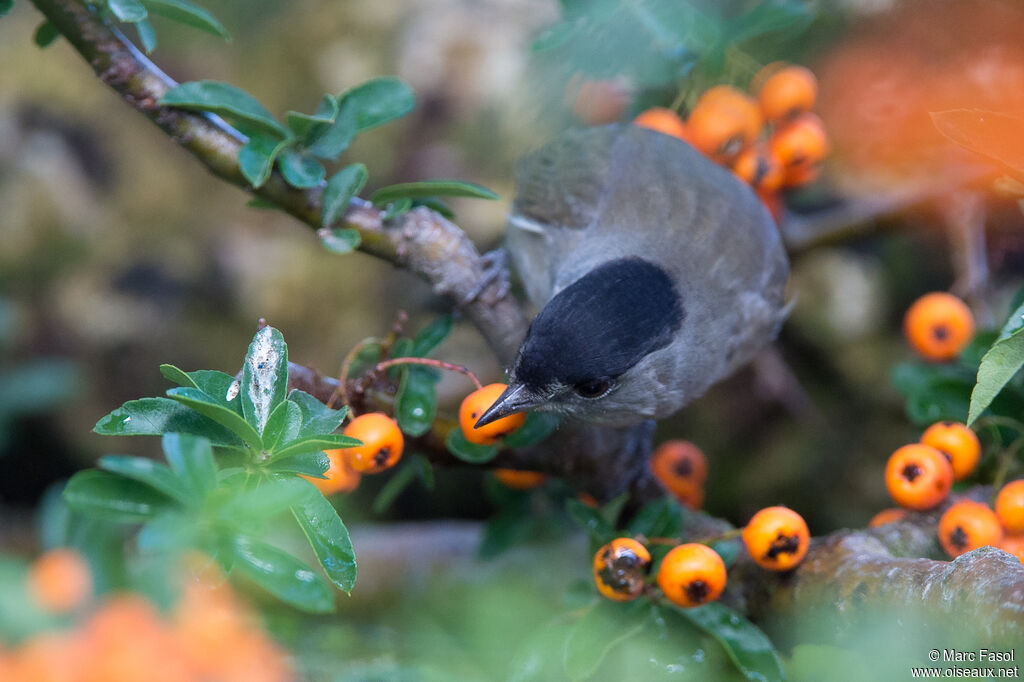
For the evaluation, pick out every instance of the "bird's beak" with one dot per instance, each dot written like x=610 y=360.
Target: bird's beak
x=516 y=398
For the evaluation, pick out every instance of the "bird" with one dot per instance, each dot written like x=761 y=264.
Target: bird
x=656 y=273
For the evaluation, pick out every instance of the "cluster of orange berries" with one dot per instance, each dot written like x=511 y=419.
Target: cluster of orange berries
x=727 y=125
x=938 y=326
x=920 y=476
x=693 y=573
x=681 y=469
x=209 y=635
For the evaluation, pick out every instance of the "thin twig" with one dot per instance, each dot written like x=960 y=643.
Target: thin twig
x=429 y=362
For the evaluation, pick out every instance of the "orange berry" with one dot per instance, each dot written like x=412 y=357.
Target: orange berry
x=798 y=176
x=692 y=574
x=918 y=476
x=787 y=93
x=473 y=407
x=958 y=443
x=679 y=463
x=968 y=525
x=588 y=499
x=341 y=478
x=1013 y=544
x=723 y=122
x=60 y=580
x=1010 y=506
x=891 y=515
x=382 y=443
x=777 y=538
x=519 y=479
x=620 y=568
x=801 y=143
x=662 y=120
x=759 y=168
x=938 y=326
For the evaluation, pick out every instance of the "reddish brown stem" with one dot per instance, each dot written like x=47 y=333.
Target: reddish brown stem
x=429 y=362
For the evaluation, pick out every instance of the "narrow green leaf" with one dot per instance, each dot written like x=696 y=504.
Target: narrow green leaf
x=469 y=452
x=512 y=525
x=396 y=209
x=282 y=575
x=178 y=376
x=378 y=101
x=431 y=188
x=208 y=407
x=340 y=189
x=340 y=241
x=791 y=16
x=264 y=377
x=308 y=464
x=300 y=171
x=113 y=497
x=6 y=6
x=191 y=458
x=256 y=158
x=261 y=499
x=314 y=444
x=437 y=206
x=308 y=127
x=283 y=426
x=189 y=14
x=157 y=416
x=601 y=629
x=217 y=385
x=597 y=527
x=335 y=138
x=658 y=518
x=538 y=426
x=416 y=401
x=328 y=537
x=225 y=100
x=396 y=485
x=45 y=34
x=998 y=366
x=431 y=336
x=317 y=418
x=127 y=10
x=554 y=36
x=746 y=645
x=154 y=474
x=147 y=35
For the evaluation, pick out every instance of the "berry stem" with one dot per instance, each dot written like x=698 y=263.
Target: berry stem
x=996 y=420
x=341 y=392
x=429 y=362
x=727 y=535
x=1006 y=459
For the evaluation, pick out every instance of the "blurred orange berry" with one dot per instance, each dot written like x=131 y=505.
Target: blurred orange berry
x=918 y=476
x=1013 y=544
x=519 y=479
x=886 y=516
x=958 y=443
x=341 y=478
x=681 y=468
x=759 y=168
x=798 y=176
x=1010 y=506
x=938 y=326
x=801 y=143
x=723 y=122
x=777 y=538
x=620 y=568
x=382 y=443
x=968 y=525
x=692 y=574
x=787 y=93
x=473 y=407
x=663 y=121
x=60 y=580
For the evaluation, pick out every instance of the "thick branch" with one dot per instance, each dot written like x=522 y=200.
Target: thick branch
x=421 y=241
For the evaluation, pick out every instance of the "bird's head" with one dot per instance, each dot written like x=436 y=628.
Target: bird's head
x=588 y=353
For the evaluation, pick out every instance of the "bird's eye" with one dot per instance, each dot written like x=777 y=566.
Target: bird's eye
x=594 y=388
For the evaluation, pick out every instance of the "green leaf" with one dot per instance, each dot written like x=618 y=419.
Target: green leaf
x=554 y=36
x=127 y=10
x=112 y=497
x=261 y=204
x=147 y=35
x=314 y=444
x=309 y=126
x=396 y=209
x=154 y=474
x=378 y=101
x=256 y=158
x=1013 y=323
x=998 y=366
x=157 y=416
x=340 y=240
x=6 y=6
x=335 y=138
x=933 y=392
x=437 y=206
x=431 y=336
x=601 y=629
x=45 y=34
x=340 y=189
x=282 y=575
x=791 y=16
x=189 y=14
x=537 y=428
x=431 y=188
x=416 y=401
x=261 y=499
x=511 y=526
x=208 y=407
x=469 y=452
x=317 y=418
x=397 y=484
x=191 y=458
x=658 y=518
x=745 y=643
x=211 y=382
x=328 y=537
x=225 y=100
x=301 y=171
x=264 y=377
x=178 y=376
x=597 y=527
x=283 y=426
x=308 y=464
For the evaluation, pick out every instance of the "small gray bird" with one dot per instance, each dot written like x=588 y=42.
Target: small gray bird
x=656 y=271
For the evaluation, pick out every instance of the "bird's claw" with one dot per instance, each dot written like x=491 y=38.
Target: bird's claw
x=495 y=271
